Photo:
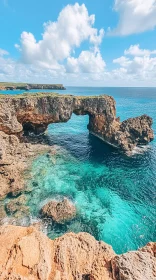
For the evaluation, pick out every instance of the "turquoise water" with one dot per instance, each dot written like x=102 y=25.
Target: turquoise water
x=114 y=194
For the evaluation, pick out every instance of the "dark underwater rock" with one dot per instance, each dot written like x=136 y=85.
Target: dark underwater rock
x=17 y=206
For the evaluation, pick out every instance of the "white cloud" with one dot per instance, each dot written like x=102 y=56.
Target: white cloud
x=135 y=16
x=73 y=26
x=88 y=68
x=12 y=70
x=142 y=66
x=53 y=57
x=123 y=61
x=135 y=50
x=87 y=62
x=3 y=52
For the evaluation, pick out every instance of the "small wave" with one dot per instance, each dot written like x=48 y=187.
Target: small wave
x=140 y=150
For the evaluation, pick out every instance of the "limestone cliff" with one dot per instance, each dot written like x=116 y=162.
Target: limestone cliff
x=27 y=254
x=34 y=112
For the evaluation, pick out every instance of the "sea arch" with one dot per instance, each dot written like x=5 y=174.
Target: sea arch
x=34 y=112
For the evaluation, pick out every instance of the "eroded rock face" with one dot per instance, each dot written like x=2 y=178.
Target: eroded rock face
x=137 y=131
x=28 y=254
x=15 y=157
x=2 y=213
x=24 y=254
x=139 y=265
x=33 y=112
x=8 y=146
x=59 y=211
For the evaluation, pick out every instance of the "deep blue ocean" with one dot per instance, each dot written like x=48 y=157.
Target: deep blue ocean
x=114 y=194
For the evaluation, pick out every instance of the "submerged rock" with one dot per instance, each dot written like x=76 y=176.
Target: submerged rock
x=28 y=254
x=17 y=207
x=59 y=211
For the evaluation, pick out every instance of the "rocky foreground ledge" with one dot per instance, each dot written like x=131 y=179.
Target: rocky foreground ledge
x=22 y=114
x=28 y=254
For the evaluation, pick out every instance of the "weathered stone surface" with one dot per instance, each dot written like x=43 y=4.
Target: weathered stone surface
x=25 y=254
x=80 y=256
x=137 y=265
x=137 y=130
x=11 y=180
x=33 y=112
x=59 y=211
x=2 y=213
x=28 y=254
x=15 y=157
x=150 y=248
x=8 y=147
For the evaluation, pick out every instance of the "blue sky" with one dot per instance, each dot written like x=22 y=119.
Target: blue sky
x=93 y=43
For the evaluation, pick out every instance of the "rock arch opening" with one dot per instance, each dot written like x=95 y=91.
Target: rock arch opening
x=33 y=129
x=76 y=123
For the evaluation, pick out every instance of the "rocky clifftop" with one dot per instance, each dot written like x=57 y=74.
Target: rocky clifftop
x=28 y=254
x=34 y=112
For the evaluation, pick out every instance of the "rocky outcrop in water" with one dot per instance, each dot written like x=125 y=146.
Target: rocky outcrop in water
x=59 y=211
x=32 y=113
x=28 y=254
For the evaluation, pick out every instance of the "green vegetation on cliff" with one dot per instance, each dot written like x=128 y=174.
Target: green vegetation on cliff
x=9 y=84
x=27 y=86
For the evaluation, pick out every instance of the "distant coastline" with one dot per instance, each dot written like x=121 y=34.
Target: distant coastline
x=25 y=86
